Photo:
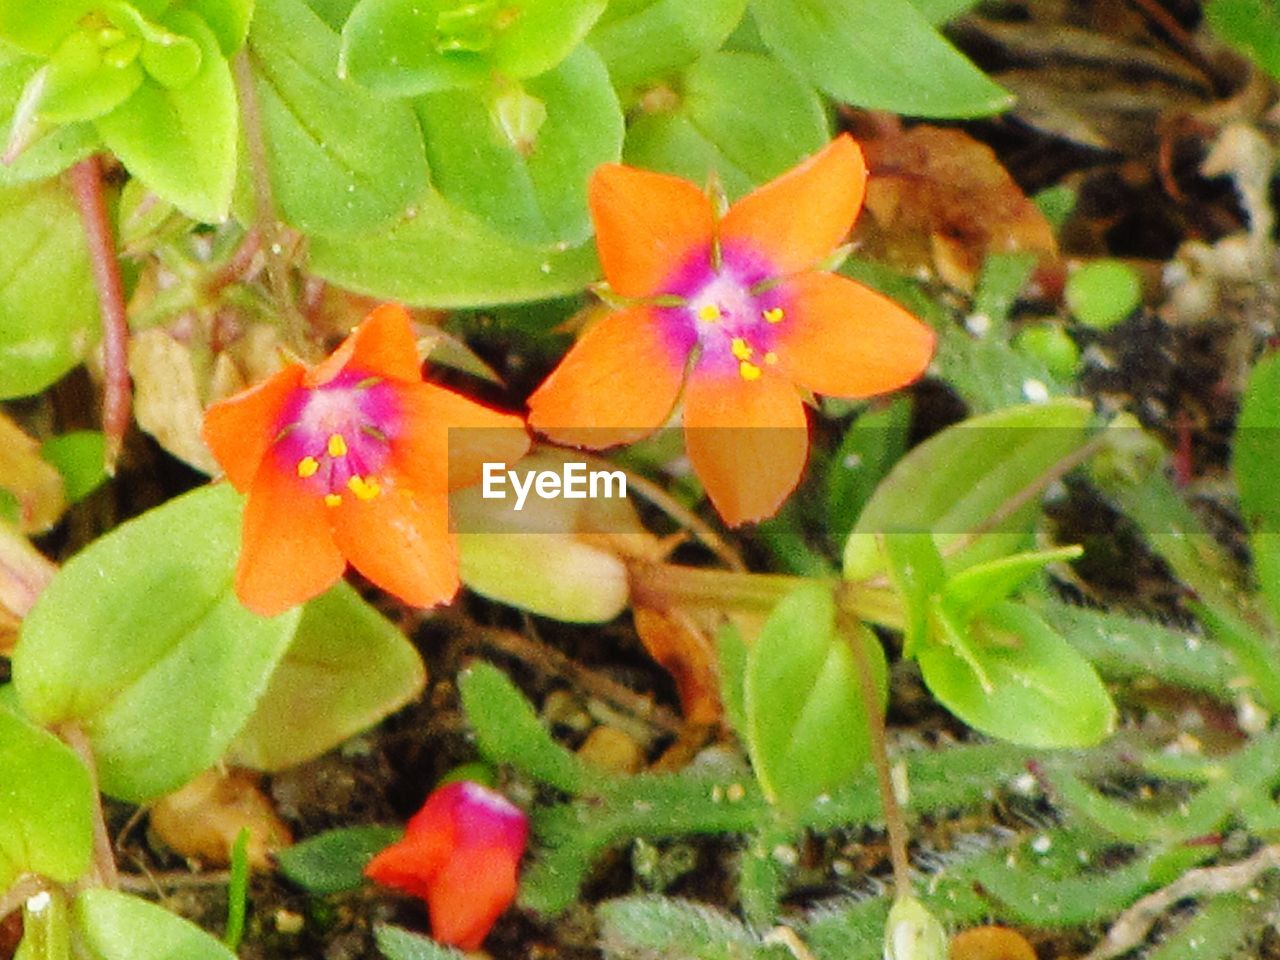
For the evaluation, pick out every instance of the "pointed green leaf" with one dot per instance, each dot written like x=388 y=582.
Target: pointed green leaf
x=1257 y=465
x=141 y=640
x=78 y=84
x=347 y=668
x=647 y=38
x=116 y=926
x=1009 y=675
x=182 y=142
x=334 y=861
x=397 y=944
x=40 y=151
x=976 y=588
x=740 y=115
x=46 y=805
x=872 y=444
x=806 y=724
x=881 y=54
x=48 y=308
x=528 y=181
x=916 y=569
x=404 y=48
x=342 y=160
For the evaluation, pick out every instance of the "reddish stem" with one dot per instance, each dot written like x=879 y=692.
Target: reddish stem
x=86 y=184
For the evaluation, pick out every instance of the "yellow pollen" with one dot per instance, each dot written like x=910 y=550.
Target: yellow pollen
x=307 y=467
x=749 y=371
x=337 y=445
x=365 y=488
x=771 y=358
x=740 y=348
x=773 y=315
x=709 y=312
x=332 y=499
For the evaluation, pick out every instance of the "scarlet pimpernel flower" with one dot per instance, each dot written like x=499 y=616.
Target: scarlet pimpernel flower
x=353 y=460
x=460 y=853
x=738 y=313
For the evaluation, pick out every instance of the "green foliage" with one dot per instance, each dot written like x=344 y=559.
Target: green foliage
x=164 y=669
x=1256 y=463
x=46 y=806
x=346 y=668
x=881 y=54
x=48 y=311
x=397 y=944
x=741 y=116
x=637 y=928
x=806 y=723
x=644 y=39
x=383 y=44
x=334 y=861
x=341 y=160
x=519 y=156
x=1251 y=26
x=1103 y=293
x=47 y=151
x=872 y=444
x=116 y=926
x=79 y=456
x=237 y=890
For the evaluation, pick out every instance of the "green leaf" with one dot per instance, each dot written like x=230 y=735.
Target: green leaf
x=48 y=308
x=977 y=588
x=656 y=926
x=648 y=38
x=916 y=569
x=342 y=160
x=732 y=652
x=1256 y=464
x=508 y=731
x=79 y=84
x=1251 y=26
x=880 y=54
x=334 y=861
x=397 y=944
x=806 y=724
x=182 y=142
x=940 y=11
x=404 y=48
x=116 y=926
x=46 y=806
x=982 y=471
x=471 y=263
x=140 y=639
x=738 y=114
x=872 y=444
x=228 y=19
x=527 y=179
x=79 y=457
x=1009 y=675
x=35 y=151
x=39 y=27
x=347 y=668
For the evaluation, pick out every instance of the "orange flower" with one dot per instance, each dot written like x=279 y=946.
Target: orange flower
x=352 y=459
x=460 y=854
x=735 y=311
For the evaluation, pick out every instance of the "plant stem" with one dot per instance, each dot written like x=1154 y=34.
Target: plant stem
x=894 y=821
x=86 y=185
x=104 y=860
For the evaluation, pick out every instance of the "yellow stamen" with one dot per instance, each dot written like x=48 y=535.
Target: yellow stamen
x=332 y=499
x=741 y=349
x=337 y=445
x=771 y=358
x=307 y=467
x=749 y=371
x=365 y=488
x=773 y=315
x=709 y=312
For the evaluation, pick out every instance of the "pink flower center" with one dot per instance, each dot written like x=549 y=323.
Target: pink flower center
x=337 y=438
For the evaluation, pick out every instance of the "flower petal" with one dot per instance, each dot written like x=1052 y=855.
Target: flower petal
x=841 y=339
x=647 y=226
x=240 y=429
x=381 y=344
x=748 y=441
x=411 y=864
x=445 y=439
x=400 y=540
x=616 y=385
x=287 y=552
x=469 y=893
x=800 y=217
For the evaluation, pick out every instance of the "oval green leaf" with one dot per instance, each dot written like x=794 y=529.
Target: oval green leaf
x=741 y=115
x=46 y=806
x=48 y=308
x=40 y=151
x=403 y=48
x=1010 y=675
x=182 y=143
x=141 y=640
x=39 y=27
x=116 y=926
x=641 y=39
x=342 y=160
x=347 y=668
x=880 y=54
x=529 y=184
x=334 y=861
x=806 y=724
